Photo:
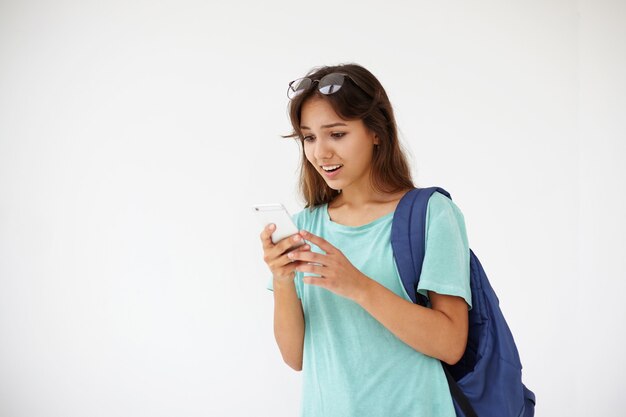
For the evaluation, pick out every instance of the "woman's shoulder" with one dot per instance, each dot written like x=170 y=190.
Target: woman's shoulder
x=444 y=216
x=443 y=212
x=439 y=204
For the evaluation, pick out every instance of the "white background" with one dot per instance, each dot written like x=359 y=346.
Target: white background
x=135 y=136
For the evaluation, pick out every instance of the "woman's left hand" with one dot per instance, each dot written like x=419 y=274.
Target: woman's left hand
x=337 y=273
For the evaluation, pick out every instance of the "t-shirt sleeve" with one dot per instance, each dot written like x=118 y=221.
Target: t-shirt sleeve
x=298 y=220
x=446 y=266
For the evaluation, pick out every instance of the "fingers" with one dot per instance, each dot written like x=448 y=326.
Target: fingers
x=288 y=257
x=313 y=269
x=275 y=254
x=289 y=243
x=307 y=256
x=284 y=265
x=266 y=236
x=321 y=243
x=283 y=245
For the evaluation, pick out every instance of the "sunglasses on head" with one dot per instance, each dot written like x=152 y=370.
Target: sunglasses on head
x=328 y=84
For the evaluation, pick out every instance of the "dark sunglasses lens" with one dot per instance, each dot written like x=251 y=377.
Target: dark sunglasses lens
x=331 y=83
x=298 y=86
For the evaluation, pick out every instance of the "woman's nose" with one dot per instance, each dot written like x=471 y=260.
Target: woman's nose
x=322 y=150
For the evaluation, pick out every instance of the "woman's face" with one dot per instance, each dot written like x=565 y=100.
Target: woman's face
x=330 y=141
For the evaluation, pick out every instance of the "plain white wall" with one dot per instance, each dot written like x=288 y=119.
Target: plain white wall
x=134 y=136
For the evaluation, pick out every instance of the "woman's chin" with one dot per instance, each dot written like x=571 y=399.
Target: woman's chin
x=333 y=186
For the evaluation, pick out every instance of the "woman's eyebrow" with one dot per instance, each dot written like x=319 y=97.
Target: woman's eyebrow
x=326 y=126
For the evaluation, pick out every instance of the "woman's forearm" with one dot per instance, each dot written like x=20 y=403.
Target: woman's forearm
x=288 y=323
x=426 y=330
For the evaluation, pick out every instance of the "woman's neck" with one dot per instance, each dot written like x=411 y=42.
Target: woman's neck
x=360 y=201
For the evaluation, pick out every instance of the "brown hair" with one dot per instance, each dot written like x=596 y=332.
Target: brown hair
x=365 y=100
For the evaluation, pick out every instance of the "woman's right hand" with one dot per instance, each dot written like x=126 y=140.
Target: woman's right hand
x=275 y=255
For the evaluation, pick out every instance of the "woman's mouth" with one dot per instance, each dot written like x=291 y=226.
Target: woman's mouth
x=332 y=171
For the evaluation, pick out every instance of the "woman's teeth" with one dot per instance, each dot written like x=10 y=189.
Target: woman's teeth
x=331 y=168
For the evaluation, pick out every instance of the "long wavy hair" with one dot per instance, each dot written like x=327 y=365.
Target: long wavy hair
x=365 y=100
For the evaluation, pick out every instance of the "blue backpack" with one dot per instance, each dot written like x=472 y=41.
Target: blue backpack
x=487 y=381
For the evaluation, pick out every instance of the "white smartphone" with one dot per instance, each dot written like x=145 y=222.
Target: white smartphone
x=277 y=214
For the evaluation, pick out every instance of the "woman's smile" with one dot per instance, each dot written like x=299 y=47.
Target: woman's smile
x=332 y=173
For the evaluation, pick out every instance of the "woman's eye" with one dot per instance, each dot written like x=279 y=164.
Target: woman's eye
x=335 y=135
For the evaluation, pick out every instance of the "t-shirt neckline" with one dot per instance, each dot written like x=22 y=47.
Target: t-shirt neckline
x=371 y=224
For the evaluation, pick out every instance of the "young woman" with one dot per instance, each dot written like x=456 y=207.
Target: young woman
x=341 y=313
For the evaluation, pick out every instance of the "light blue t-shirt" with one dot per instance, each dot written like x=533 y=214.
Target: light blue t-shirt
x=352 y=365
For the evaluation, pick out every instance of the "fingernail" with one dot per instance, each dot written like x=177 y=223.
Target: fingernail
x=296 y=238
x=272 y=226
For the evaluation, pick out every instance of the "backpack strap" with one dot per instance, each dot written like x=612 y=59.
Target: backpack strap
x=410 y=220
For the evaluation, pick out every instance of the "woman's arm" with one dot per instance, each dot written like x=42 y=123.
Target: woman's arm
x=288 y=322
x=288 y=313
x=440 y=331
